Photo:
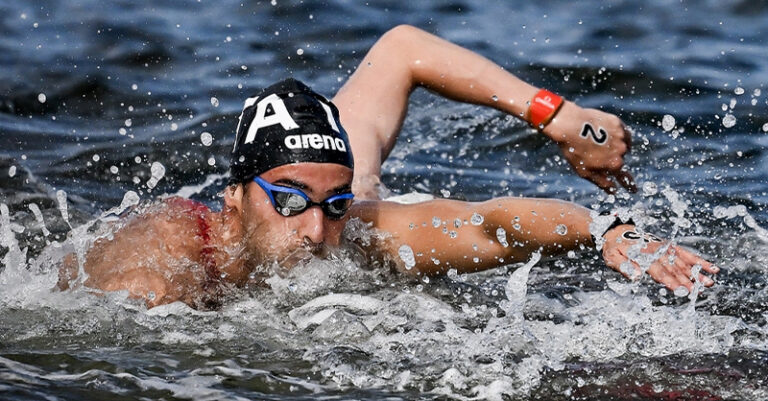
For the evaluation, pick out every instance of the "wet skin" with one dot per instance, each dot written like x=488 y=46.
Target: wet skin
x=157 y=255
x=270 y=236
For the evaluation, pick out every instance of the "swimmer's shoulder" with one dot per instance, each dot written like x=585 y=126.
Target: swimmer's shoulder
x=177 y=225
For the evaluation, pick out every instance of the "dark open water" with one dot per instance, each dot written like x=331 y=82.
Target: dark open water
x=97 y=98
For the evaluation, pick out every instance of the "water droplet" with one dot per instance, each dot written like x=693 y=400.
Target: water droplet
x=436 y=222
x=495 y=98
x=214 y=102
x=151 y=295
x=158 y=170
x=476 y=259
x=41 y=98
x=128 y=122
x=12 y=171
x=292 y=287
x=668 y=122
x=113 y=169
x=765 y=127
x=501 y=236
x=756 y=93
x=739 y=90
x=476 y=219
x=457 y=223
x=299 y=51
x=61 y=199
x=561 y=229
x=406 y=255
x=39 y=217
x=650 y=188
x=681 y=291
x=206 y=138
x=453 y=234
x=174 y=126
x=122 y=131
x=96 y=158
x=211 y=161
x=135 y=87
x=729 y=121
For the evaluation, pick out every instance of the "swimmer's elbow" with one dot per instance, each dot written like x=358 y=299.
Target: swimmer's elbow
x=400 y=38
x=402 y=32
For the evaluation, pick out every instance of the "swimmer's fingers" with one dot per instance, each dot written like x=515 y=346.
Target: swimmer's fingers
x=681 y=270
x=687 y=269
x=626 y=180
x=664 y=272
x=628 y=131
x=694 y=259
x=602 y=181
x=613 y=258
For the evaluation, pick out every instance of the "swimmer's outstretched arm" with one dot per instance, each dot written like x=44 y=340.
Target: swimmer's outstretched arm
x=374 y=101
x=469 y=237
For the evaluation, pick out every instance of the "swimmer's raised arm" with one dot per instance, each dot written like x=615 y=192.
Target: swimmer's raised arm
x=374 y=101
x=469 y=237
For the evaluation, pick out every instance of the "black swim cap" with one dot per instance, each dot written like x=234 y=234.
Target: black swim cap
x=287 y=123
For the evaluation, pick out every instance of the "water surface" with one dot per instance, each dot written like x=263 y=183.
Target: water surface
x=102 y=98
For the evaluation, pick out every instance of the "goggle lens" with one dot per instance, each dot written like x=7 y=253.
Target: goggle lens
x=291 y=201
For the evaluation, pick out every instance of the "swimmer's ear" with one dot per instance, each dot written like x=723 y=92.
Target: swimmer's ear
x=233 y=197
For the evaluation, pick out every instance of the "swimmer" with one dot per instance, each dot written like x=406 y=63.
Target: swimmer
x=290 y=198
x=374 y=101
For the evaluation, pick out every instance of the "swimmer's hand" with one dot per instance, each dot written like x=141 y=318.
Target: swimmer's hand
x=594 y=143
x=675 y=267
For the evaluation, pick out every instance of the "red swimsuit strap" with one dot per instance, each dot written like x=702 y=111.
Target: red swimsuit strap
x=199 y=212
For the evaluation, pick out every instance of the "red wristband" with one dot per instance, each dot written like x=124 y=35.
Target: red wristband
x=543 y=108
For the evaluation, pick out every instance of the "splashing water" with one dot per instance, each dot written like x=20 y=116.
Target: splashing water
x=668 y=122
x=562 y=329
x=61 y=198
x=39 y=217
x=406 y=255
x=476 y=219
x=158 y=172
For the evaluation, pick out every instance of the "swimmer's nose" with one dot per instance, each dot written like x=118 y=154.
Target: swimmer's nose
x=313 y=225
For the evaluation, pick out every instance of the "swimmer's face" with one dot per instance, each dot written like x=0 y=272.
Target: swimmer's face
x=270 y=236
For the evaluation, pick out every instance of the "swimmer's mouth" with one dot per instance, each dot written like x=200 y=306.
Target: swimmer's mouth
x=304 y=254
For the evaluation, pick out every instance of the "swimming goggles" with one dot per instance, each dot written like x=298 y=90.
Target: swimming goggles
x=290 y=201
